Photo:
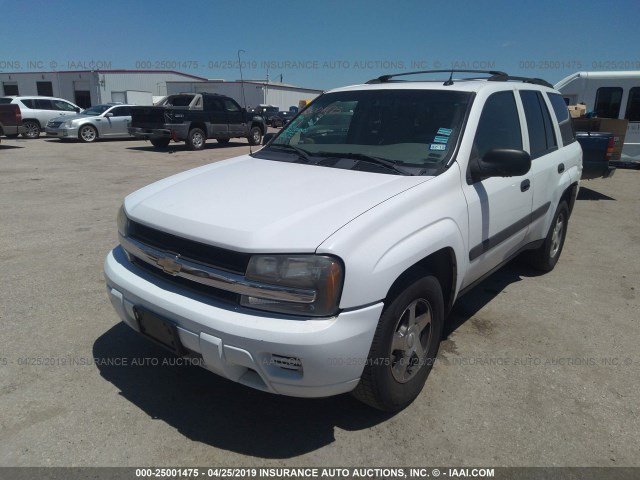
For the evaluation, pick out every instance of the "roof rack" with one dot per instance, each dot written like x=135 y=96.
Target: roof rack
x=495 y=76
x=535 y=81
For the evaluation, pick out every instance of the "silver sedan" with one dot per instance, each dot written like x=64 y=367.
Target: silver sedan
x=100 y=121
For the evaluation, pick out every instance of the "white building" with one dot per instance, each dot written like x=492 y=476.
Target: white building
x=256 y=92
x=91 y=87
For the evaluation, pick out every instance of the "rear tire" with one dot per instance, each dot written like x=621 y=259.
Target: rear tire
x=546 y=256
x=404 y=346
x=32 y=129
x=160 y=142
x=196 y=139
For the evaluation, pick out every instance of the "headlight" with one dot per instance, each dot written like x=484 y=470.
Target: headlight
x=123 y=222
x=322 y=274
x=68 y=124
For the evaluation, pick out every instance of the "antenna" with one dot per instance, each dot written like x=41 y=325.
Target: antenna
x=450 y=81
x=244 y=100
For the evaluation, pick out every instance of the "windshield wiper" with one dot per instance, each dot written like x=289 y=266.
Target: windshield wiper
x=363 y=157
x=303 y=154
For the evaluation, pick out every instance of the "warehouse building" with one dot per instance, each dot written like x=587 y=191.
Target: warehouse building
x=92 y=87
x=256 y=92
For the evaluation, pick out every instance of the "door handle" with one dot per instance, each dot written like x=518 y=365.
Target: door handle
x=561 y=168
x=524 y=186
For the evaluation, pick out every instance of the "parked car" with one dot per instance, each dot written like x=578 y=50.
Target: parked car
x=10 y=120
x=37 y=111
x=193 y=118
x=313 y=269
x=280 y=119
x=267 y=112
x=100 y=121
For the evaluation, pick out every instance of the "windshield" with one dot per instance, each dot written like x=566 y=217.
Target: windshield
x=416 y=129
x=97 y=110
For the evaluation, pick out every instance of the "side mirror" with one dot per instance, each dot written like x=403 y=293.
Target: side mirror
x=500 y=162
x=108 y=115
x=77 y=110
x=267 y=138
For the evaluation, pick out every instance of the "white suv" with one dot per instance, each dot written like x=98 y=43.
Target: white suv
x=327 y=261
x=37 y=111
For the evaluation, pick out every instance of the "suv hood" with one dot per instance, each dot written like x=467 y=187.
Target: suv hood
x=255 y=205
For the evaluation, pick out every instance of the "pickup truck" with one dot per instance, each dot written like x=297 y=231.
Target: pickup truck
x=596 y=154
x=10 y=120
x=328 y=261
x=193 y=118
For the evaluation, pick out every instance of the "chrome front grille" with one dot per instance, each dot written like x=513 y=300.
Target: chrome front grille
x=180 y=259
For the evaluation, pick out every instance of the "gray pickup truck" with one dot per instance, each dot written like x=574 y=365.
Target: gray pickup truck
x=193 y=118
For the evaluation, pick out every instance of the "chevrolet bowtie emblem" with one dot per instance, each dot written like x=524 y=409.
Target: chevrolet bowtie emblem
x=169 y=265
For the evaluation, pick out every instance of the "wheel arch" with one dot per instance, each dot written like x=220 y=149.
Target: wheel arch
x=201 y=126
x=569 y=195
x=442 y=264
x=259 y=125
x=32 y=120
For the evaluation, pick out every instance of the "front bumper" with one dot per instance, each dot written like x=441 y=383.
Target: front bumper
x=61 y=132
x=247 y=346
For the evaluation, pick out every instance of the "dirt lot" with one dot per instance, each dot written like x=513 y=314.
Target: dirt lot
x=535 y=371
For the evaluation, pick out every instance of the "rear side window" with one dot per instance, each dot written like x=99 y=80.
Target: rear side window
x=542 y=138
x=633 y=105
x=5 y=101
x=499 y=125
x=44 y=104
x=65 y=106
x=29 y=103
x=121 y=111
x=608 y=100
x=562 y=115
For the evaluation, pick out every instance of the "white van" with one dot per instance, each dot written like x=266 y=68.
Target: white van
x=609 y=95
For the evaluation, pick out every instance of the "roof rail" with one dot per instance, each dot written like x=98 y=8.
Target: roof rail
x=386 y=78
x=495 y=76
x=505 y=78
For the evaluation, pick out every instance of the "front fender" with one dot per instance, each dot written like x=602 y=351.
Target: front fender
x=380 y=245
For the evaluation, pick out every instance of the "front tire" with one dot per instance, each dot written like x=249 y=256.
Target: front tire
x=87 y=134
x=32 y=129
x=196 y=139
x=255 y=136
x=546 y=256
x=404 y=346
